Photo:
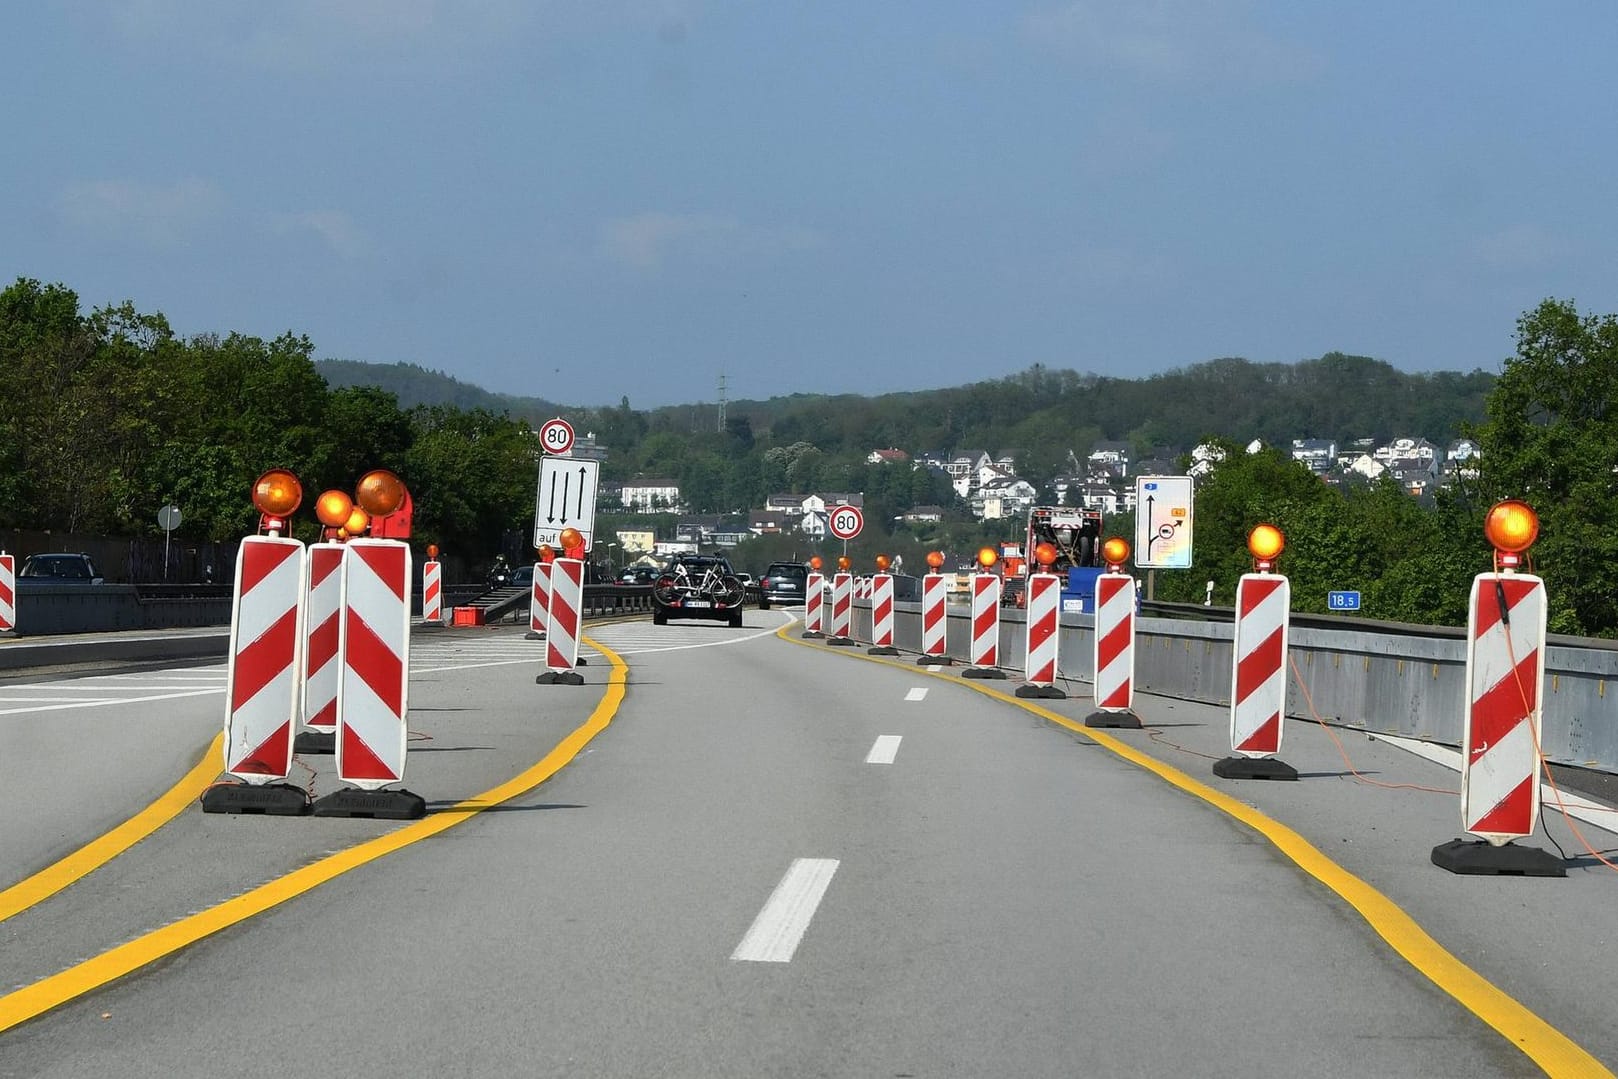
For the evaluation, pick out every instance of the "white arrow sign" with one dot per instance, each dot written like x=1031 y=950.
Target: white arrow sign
x=566 y=499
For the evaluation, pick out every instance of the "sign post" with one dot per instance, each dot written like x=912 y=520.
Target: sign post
x=168 y=519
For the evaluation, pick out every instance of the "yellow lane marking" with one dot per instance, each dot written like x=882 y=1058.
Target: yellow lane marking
x=58 y=989
x=1548 y=1047
x=103 y=849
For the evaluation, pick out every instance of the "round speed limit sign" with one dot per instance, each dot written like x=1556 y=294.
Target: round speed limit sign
x=845 y=522
x=556 y=436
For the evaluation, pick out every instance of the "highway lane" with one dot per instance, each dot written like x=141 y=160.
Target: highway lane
x=1006 y=898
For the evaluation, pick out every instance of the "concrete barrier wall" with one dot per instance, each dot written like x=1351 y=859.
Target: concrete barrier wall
x=1384 y=682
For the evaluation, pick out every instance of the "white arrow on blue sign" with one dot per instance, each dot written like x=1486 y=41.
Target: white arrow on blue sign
x=1342 y=601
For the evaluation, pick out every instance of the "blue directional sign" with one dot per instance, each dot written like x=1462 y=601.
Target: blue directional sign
x=1342 y=601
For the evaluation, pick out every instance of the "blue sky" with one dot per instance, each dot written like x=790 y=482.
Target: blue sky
x=610 y=198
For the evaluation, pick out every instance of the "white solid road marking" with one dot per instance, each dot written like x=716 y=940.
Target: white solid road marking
x=934 y=668
x=775 y=933
x=919 y=693
x=885 y=749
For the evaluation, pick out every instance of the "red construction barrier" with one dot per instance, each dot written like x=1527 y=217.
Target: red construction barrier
x=261 y=680
x=323 y=663
x=8 y=591
x=1114 y=652
x=539 y=599
x=882 y=616
x=934 y=594
x=1258 y=679
x=373 y=693
x=562 y=622
x=842 y=607
x=985 y=645
x=1505 y=677
x=1043 y=602
x=814 y=602
x=432 y=592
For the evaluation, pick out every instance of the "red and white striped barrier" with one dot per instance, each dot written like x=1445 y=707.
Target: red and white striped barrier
x=934 y=593
x=432 y=592
x=842 y=606
x=1258 y=679
x=373 y=693
x=323 y=662
x=8 y=591
x=1505 y=678
x=539 y=599
x=1114 y=652
x=562 y=617
x=985 y=646
x=262 y=677
x=814 y=604
x=1043 y=603
x=882 y=616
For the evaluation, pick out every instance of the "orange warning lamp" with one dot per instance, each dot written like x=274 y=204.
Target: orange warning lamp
x=1266 y=544
x=815 y=563
x=843 y=562
x=1115 y=552
x=277 y=493
x=570 y=538
x=935 y=560
x=882 y=563
x=547 y=553
x=432 y=550
x=1045 y=554
x=1512 y=527
x=987 y=557
x=358 y=521
x=333 y=508
x=379 y=492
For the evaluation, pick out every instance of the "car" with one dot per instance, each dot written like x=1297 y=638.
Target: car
x=783 y=582
x=698 y=586
x=522 y=576
x=638 y=575
x=59 y=567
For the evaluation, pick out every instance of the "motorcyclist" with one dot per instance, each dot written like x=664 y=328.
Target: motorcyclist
x=499 y=573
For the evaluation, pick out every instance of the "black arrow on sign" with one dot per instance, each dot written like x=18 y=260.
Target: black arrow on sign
x=579 y=514
x=1151 y=526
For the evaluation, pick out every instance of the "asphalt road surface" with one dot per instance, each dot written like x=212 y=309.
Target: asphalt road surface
x=736 y=853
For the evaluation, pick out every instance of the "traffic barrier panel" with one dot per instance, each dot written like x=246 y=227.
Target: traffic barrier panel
x=882 y=616
x=373 y=691
x=1114 y=652
x=1258 y=679
x=842 y=608
x=814 y=603
x=562 y=623
x=8 y=592
x=539 y=600
x=1042 y=601
x=262 y=676
x=985 y=643
x=323 y=662
x=934 y=593
x=1500 y=757
x=432 y=592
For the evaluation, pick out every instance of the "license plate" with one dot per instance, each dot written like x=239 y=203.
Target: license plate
x=698 y=603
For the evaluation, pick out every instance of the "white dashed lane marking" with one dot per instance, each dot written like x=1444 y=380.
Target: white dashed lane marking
x=919 y=693
x=885 y=749
x=775 y=933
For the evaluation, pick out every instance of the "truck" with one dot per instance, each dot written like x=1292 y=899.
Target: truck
x=1076 y=535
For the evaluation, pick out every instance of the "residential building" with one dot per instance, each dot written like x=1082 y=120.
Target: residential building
x=888 y=457
x=1318 y=454
x=651 y=496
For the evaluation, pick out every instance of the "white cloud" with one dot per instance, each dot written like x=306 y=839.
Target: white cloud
x=646 y=240
x=1171 y=41
x=157 y=215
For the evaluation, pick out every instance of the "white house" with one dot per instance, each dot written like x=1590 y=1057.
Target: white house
x=1318 y=454
x=651 y=496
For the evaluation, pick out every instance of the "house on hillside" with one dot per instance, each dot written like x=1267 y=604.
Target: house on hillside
x=1108 y=459
x=1417 y=475
x=812 y=513
x=1005 y=499
x=1461 y=460
x=887 y=457
x=923 y=515
x=769 y=522
x=965 y=465
x=651 y=496
x=1319 y=455
x=1402 y=448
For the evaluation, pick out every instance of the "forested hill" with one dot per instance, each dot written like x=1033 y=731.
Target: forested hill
x=1043 y=409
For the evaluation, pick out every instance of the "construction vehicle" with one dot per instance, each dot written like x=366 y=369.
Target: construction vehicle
x=1076 y=535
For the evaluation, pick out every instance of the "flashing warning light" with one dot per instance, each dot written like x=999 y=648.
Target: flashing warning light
x=1511 y=526
x=571 y=538
x=432 y=550
x=882 y=563
x=547 y=553
x=1266 y=543
x=815 y=563
x=935 y=559
x=333 y=508
x=379 y=492
x=988 y=557
x=358 y=521
x=277 y=493
x=843 y=562
x=1115 y=552
x=1045 y=554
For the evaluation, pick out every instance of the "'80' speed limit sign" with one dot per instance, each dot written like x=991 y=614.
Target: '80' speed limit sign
x=845 y=522
x=556 y=436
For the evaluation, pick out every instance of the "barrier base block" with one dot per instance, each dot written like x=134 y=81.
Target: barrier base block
x=840 y=642
x=882 y=650
x=813 y=635
x=934 y=661
x=378 y=805
x=559 y=678
x=1041 y=692
x=315 y=742
x=270 y=800
x=533 y=635
x=983 y=672
x=1125 y=719
x=1481 y=858
x=429 y=625
x=1254 y=768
